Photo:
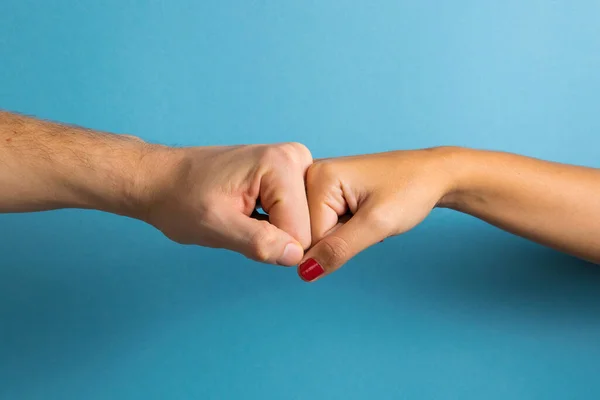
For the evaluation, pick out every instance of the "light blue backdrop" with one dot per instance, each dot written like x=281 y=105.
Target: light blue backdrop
x=93 y=306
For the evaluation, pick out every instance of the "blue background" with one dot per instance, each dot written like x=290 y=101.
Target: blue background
x=94 y=306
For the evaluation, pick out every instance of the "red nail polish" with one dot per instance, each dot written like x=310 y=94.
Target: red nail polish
x=310 y=270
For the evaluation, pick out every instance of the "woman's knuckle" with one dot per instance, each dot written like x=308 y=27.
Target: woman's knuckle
x=337 y=250
x=379 y=219
x=320 y=171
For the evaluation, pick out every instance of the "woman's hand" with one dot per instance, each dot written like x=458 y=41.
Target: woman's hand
x=206 y=196
x=384 y=194
x=554 y=204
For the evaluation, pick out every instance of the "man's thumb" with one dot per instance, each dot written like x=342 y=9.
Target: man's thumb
x=261 y=241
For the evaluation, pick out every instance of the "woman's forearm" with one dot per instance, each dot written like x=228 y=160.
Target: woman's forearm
x=553 y=204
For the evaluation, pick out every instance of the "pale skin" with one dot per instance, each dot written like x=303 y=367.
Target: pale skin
x=207 y=195
x=194 y=195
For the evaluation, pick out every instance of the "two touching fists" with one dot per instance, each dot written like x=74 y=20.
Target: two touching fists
x=320 y=214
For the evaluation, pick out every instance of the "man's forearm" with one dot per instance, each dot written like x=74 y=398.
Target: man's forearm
x=554 y=204
x=194 y=195
x=45 y=165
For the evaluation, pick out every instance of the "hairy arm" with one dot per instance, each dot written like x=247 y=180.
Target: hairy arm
x=194 y=195
x=46 y=165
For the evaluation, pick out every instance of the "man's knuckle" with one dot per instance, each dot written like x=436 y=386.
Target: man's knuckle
x=300 y=151
x=261 y=241
x=289 y=153
x=267 y=154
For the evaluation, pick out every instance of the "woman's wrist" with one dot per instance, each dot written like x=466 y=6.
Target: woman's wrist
x=459 y=166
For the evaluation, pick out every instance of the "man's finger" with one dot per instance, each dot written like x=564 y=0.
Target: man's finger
x=364 y=229
x=290 y=211
x=283 y=194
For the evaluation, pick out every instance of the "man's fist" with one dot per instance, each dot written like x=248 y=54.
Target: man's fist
x=206 y=196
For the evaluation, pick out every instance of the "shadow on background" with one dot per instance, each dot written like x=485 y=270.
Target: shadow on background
x=478 y=272
x=55 y=306
x=69 y=301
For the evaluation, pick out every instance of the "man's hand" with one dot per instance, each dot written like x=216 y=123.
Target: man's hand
x=206 y=196
x=199 y=195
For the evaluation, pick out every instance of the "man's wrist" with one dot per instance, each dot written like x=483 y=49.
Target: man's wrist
x=123 y=176
x=152 y=173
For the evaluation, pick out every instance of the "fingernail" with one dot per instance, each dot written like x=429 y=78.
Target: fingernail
x=291 y=254
x=310 y=270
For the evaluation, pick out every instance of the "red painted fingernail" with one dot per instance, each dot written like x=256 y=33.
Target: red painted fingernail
x=310 y=270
